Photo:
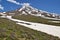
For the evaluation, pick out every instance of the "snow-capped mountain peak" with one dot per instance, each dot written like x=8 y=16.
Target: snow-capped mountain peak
x=27 y=6
x=28 y=9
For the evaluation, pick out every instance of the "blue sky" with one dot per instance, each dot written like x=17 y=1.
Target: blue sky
x=47 y=5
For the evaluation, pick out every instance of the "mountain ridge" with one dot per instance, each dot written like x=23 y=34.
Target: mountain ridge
x=28 y=9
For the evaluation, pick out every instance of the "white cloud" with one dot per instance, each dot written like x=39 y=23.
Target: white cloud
x=25 y=4
x=1 y=7
x=13 y=1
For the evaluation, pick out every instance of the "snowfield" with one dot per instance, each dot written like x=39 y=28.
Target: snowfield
x=49 y=29
x=52 y=30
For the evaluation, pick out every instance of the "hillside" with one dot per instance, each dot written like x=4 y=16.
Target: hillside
x=11 y=31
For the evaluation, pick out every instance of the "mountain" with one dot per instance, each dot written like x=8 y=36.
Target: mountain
x=26 y=9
